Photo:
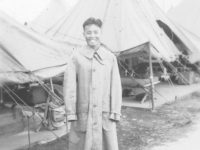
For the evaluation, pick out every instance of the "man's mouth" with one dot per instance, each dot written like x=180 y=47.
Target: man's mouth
x=93 y=40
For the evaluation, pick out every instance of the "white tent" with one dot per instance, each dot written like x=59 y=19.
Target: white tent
x=186 y=17
x=195 y=40
x=50 y=15
x=187 y=14
x=127 y=27
x=127 y=24
x=25 y=54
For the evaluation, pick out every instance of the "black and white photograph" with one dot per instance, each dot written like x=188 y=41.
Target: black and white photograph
x=99 y=74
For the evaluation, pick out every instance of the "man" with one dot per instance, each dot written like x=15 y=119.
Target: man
x=92 y=91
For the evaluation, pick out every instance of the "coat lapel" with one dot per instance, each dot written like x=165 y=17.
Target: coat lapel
x=89 y=53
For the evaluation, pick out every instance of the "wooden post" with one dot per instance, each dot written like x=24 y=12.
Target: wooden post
x=51 y=83
x=151 y=76
x=66 y=114
x=45 y=119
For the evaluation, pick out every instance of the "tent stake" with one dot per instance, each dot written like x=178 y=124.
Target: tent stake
x=151 y=77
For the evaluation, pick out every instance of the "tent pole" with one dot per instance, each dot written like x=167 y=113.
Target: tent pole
x=1 y=98
x=151 y=77
x=51 y=83
x=66 y=117
x=64 y=103
x=45 y=119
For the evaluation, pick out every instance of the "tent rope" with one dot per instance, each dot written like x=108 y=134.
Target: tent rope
x=154 y=90
x=138 y=75
x=23 y=114
x=135 y=73
x=17 y=97
x=53 y=95
x=134 y=79
x=185 y=115
x=171 y=84
x=138 y=83
x=189 y=61
x=176 y=71
x=7 y=90
x=33 y=112
x=22 y=102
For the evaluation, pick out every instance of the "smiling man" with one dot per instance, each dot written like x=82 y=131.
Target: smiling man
x=92 y=33
x=92 y=91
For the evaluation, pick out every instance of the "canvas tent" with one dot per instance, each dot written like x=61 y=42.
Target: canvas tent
x=187 y=14
x=174 y=32
x=186 y=17
x=127 y=26
x=25 y=54
x=195 y=40
x=50 y=15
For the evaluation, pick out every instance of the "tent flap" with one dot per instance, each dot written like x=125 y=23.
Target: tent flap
x=22 y=51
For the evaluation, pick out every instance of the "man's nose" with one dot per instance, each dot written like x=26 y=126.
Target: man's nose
x=92 y=35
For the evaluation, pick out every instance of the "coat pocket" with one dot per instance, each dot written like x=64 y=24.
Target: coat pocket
x=81 y=123
x=108 y=125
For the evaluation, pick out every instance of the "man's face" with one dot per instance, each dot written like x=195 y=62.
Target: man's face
x=92 y=35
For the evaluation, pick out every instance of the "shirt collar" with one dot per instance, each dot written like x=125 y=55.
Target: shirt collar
x=89 y=52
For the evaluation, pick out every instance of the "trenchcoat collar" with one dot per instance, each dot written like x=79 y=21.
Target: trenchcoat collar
x=89 y=52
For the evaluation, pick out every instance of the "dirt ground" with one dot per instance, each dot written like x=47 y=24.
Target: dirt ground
x=142 y=129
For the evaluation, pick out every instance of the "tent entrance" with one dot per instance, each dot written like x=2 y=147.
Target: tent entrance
x=174 y=38
x=139 y=51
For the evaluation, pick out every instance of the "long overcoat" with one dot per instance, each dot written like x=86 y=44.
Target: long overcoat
x=93 y=96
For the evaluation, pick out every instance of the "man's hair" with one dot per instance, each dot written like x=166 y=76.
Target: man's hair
x=91 y=21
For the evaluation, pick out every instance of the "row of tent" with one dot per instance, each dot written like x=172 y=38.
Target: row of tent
x=43 y=47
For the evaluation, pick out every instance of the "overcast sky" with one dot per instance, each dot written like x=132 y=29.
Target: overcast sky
x=27 y=10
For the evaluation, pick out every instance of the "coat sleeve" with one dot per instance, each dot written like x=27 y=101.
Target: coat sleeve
x=116 y=92
x=70 y=90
